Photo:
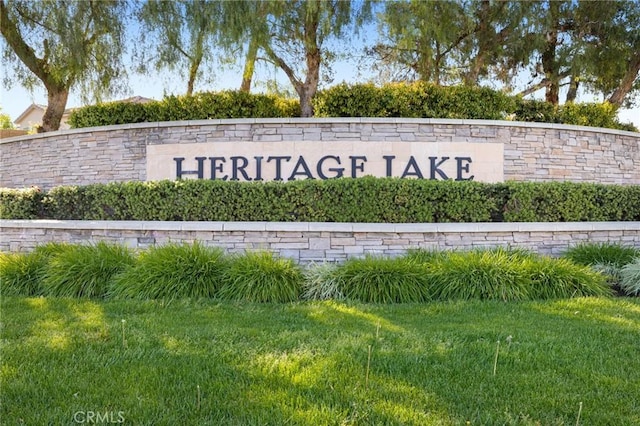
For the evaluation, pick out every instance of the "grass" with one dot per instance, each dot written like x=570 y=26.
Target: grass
x=602 y=253
x=85 y=270
x=201 y=362
x=172 y=271
x=261 y=277
x=383 y=280
x=630 y=282
x=21 y=274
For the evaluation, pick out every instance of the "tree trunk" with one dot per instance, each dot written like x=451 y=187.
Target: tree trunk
x=618 y=95
x=57 y=101
x=549 y=63
x=573 y=89
x=249 y=65
x=193 y=68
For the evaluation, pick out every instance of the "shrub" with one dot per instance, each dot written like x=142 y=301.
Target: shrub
x=259 y=277
x=590 y=254
x=560 y=278
x=20 y=203
x=630 y=278
x=589 y=114
x=200 y=106
x=480 y=274
x=21 y=274
x=172 y=271
x=534 y=111
x=85 y=270
x=366 y=199
x=612 y=274
x=568 y=201
x=416 y=100
x=383 y=280
x=322 y=282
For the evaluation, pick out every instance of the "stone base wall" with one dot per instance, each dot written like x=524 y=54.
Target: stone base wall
x=308 y=241
x=532 y=151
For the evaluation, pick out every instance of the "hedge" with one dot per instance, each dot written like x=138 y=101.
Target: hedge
x=367 y=199
x=425 y=100
x=416 y=100
x=200 y=106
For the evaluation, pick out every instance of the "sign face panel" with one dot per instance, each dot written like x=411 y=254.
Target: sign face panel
x=285 y=161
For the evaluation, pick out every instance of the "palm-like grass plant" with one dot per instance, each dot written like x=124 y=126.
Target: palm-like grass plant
x=630 y=278
x=260 y=277
x=173 y=271
x=383 y=280
x=85 y=270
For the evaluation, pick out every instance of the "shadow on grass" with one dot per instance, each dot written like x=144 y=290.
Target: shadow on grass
x=199 y=362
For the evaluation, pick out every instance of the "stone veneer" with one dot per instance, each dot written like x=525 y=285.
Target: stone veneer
x=309 y=241
x=532 y=151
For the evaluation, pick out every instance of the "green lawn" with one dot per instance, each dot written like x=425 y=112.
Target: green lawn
x=202 y=362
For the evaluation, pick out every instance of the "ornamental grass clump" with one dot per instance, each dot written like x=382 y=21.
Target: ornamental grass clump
x=322 y=282
x=260 y=277
x=21 y=274
x=590 y=254
x=383 y=280
x=85 y=270
x=494 y=274
x=552 y=278
x=173 y=271
x=630 y=278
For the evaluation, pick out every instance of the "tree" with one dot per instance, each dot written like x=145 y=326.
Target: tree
x=557 y=43
x=183 y=35
x=294 y=35
x=64 y=45
x=595 y=45
x=613 y=49
x=446 y=41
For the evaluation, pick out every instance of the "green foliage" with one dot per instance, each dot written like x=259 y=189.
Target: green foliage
x=480 y=274
x=568 y=201
x=172 y=271
x=506 y=275
x=20 y=203
x=382 y=280
x=590 y=254
x=534 y=111
x=85 y=270
x=212 y=363
x=21 y=274
x=630 y=278
x=200 y=106
x=418 y=99
x=560 y=278
x=366 y=199
x=322 y=282
x=260 y=277
x=425 y=100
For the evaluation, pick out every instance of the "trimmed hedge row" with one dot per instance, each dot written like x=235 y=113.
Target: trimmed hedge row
x=417 y=100
x=425 y=100
x=367 y=199
x=200 y=106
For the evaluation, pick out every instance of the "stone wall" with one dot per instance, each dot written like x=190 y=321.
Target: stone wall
x=307 y=241
x=532 y=151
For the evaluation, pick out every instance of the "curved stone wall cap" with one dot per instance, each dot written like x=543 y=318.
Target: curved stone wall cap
x=324 y=226
x=323 y=120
